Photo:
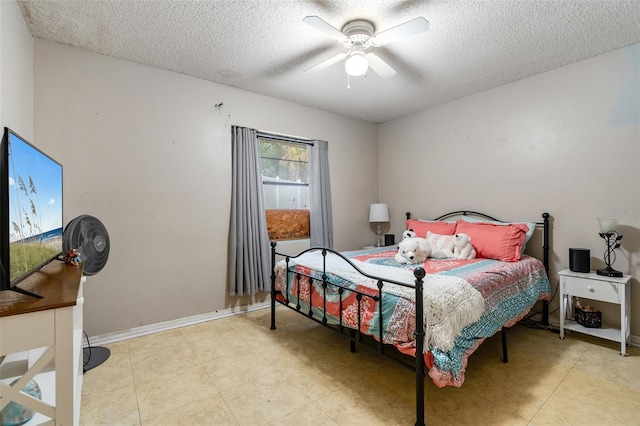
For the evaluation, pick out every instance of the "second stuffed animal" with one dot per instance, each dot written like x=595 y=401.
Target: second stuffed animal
x=409 y=233
x=413 y=250
x=462 y=248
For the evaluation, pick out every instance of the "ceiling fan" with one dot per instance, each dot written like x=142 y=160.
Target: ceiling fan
x=357 y=36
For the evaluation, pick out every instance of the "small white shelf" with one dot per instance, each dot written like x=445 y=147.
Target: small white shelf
x=602 y=332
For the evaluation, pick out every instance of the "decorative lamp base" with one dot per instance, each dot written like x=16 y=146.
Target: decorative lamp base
x=609 y=272
x=379 y=236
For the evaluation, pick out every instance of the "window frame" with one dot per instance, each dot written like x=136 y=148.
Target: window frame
x=287 y=224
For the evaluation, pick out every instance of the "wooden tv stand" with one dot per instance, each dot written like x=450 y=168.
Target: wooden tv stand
x=49 y=332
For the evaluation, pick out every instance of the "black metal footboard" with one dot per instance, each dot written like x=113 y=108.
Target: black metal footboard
x=355 y=335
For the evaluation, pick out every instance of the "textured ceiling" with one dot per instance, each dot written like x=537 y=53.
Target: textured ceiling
x=264 y=46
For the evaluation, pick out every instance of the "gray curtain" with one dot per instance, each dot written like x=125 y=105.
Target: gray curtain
x=249 y=256
x=320 y=195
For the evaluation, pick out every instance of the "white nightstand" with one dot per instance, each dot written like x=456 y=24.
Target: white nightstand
x=595 y=287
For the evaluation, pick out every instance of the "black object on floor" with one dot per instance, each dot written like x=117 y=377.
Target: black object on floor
x=93 y=356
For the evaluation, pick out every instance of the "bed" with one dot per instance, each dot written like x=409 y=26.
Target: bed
x=429 y=316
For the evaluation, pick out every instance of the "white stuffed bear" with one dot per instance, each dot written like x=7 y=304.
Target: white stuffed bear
x=413 y=250
x=409 y=233
x=462 y=248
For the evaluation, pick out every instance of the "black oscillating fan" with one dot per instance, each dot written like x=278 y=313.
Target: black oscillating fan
x=89 y=237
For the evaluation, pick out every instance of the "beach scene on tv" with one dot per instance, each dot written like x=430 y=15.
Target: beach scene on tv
x=35 y=208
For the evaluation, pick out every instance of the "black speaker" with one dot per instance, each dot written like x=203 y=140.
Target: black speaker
x=579 y=260
x=389 y=239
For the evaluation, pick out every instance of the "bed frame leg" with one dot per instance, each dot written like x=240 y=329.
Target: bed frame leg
x=545 y=250
x=419 y=273
x=505 y=358
x=352 y=341
x=273 y=285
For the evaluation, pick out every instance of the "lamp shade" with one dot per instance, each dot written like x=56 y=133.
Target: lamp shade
x=379 y=213
x=608 y=224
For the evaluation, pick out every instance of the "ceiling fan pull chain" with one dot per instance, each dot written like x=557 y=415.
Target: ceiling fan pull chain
x=348 y=83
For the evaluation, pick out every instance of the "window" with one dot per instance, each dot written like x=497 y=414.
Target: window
x=285 y=182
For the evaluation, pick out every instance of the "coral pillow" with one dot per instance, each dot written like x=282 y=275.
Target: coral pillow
x=499 y=242
x=420 y=227
x=530 y=225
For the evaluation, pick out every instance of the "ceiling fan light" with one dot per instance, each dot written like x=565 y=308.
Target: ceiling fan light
x=356 y=64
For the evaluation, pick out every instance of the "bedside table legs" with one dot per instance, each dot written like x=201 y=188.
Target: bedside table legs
x=624 y=319
x=564 y=298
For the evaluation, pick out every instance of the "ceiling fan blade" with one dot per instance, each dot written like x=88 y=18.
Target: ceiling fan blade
x=325 y=28
x=415 y=26
x=381 y=68
x=326 y=64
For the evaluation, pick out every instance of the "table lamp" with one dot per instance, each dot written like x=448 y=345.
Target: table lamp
x=609 y=232
x=379 y=213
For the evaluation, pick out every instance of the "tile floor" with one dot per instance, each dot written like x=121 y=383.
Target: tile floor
x=235 y=371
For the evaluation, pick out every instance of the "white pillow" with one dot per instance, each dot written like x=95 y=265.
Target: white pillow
x=441 y=245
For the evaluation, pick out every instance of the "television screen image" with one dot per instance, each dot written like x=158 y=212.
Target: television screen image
x=34 y=186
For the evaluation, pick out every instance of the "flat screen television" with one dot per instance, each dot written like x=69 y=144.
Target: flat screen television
x=30 y=211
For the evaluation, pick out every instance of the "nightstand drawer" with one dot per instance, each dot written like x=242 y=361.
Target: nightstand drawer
x=592 y=289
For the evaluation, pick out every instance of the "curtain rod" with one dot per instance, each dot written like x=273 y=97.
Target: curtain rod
x=283 y=138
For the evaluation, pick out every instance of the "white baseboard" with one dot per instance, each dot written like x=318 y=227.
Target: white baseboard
x=177 y=323
x=196 y=319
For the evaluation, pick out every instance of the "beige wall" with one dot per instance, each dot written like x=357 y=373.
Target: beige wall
x=148 y=153
x=16 y=72
x=565 y=142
